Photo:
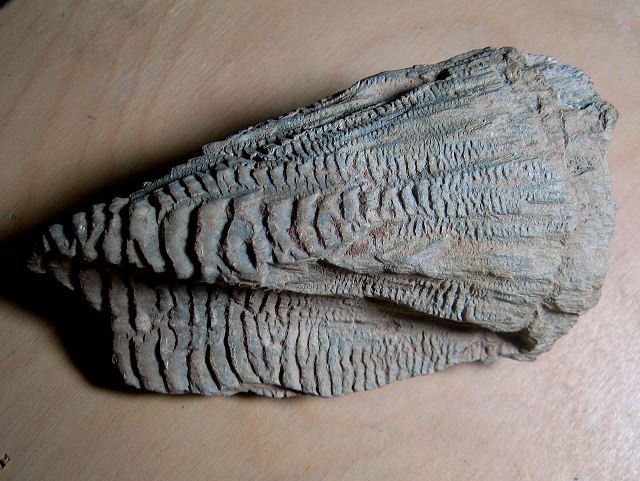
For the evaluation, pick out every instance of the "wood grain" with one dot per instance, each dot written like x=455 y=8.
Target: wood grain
x=95 y=92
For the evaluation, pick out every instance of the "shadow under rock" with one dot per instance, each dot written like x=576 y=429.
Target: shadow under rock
x=84 y=333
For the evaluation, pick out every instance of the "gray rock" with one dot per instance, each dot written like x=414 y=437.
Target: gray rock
x=421 y=218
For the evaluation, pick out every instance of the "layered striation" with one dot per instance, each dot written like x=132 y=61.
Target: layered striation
x=421 y=218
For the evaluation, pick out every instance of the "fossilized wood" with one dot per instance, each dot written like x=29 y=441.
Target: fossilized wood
x=422 y=218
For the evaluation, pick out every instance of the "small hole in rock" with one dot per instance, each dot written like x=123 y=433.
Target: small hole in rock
x=443 y=74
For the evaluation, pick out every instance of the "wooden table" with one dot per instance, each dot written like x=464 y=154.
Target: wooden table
x=95 y=92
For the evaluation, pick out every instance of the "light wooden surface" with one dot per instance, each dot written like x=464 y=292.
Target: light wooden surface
x=93 y=92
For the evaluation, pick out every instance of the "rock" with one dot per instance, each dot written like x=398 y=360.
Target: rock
x=421 y=218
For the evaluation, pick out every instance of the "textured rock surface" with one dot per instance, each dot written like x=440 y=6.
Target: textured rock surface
x=422 y=218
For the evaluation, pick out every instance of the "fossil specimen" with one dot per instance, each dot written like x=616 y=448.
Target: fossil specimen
x=421 y=218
